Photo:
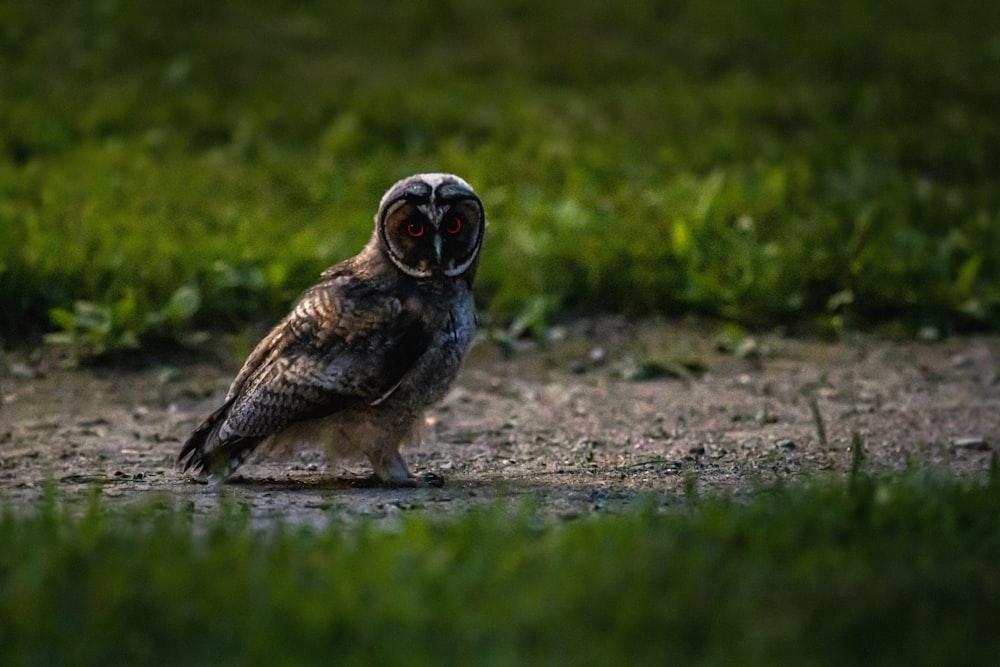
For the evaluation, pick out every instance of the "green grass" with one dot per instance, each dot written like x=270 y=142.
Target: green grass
x=178 y=166
x=872 y=571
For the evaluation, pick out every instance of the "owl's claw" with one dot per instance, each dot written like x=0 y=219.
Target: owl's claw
x=424 y=480
x=431 y=479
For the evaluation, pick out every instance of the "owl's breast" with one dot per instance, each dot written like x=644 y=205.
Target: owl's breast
x=452 y=328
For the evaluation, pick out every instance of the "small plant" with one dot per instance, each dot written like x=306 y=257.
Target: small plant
x=93 y=329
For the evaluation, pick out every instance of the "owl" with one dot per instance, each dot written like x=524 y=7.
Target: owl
x=366 y=350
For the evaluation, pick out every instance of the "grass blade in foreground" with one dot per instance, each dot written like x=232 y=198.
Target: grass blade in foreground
x=878 y=571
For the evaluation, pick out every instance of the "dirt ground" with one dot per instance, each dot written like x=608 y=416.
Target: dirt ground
x=604 y=414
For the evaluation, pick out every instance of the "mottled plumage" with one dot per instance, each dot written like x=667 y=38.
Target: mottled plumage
x=366 y=350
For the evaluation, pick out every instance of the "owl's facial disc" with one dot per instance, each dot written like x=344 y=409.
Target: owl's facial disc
x=432 y=228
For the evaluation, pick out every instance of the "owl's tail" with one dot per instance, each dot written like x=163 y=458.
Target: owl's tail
x=205 y=452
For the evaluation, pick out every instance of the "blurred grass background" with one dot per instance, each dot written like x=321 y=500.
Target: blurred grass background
x=167 y=167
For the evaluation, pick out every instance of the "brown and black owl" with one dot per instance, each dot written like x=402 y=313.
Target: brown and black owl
x=366 y=350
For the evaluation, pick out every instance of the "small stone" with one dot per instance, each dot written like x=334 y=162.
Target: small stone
x=748 y=348
x=765 y=416
x=23 y=371
x=598 y=356
x=960 y=361
x=976 y=442
x=929 y=333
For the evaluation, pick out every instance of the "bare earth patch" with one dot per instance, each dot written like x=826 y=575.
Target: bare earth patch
x=605 y=414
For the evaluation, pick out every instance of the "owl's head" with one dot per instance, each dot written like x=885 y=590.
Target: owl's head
x=432 y=225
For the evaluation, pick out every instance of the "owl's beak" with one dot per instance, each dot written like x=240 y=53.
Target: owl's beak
x=437 y=248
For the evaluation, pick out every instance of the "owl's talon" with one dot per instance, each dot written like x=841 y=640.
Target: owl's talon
x=431 y=479
x=424 y=480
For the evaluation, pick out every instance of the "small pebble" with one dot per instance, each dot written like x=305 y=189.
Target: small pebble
x=976 y=442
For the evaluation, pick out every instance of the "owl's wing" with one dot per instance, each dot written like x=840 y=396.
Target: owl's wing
x=323 y=357
x=342 y=345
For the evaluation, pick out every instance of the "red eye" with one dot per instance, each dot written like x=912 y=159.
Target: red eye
x=415 y=229
x=454 y=226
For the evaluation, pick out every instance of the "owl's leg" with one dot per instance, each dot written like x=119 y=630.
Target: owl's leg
x=391 y=470
x=379 y=436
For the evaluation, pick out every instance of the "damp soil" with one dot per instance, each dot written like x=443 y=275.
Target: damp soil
x=605 y=415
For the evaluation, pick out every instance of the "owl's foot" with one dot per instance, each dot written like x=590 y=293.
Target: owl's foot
x=391 y=471
x=431 y=479
x=422 y=481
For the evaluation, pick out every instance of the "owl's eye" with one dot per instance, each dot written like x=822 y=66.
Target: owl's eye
x=454 y=226
x=415 y=229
